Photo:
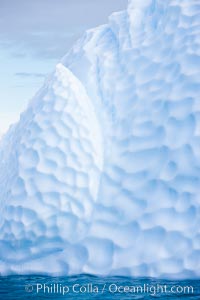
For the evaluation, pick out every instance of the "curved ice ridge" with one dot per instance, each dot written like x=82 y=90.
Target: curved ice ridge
x=101 y=174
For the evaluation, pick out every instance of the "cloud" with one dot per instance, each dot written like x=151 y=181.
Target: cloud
x=27 y=75
x=47 y=28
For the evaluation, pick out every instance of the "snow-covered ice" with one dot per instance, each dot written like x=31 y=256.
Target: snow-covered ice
x=101 y=175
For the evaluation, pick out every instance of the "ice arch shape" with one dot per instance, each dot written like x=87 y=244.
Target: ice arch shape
x=101 y=174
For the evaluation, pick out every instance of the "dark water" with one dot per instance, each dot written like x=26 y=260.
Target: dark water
x=90 y=287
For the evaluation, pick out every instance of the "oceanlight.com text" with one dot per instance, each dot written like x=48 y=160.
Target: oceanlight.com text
x=112 y=288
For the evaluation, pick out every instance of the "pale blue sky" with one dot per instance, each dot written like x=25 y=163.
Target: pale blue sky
x=34 y=35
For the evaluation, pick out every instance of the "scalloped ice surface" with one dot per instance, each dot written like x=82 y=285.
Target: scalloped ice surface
x=101 y=174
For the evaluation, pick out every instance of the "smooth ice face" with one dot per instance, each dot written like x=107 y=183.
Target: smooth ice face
x=101 y=174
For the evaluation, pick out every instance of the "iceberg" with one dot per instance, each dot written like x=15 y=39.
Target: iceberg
x=101 y=175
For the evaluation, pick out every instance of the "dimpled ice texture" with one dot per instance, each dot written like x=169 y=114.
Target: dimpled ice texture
x=101 y=175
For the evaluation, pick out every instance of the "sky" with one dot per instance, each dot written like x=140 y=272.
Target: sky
x=34 y=35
